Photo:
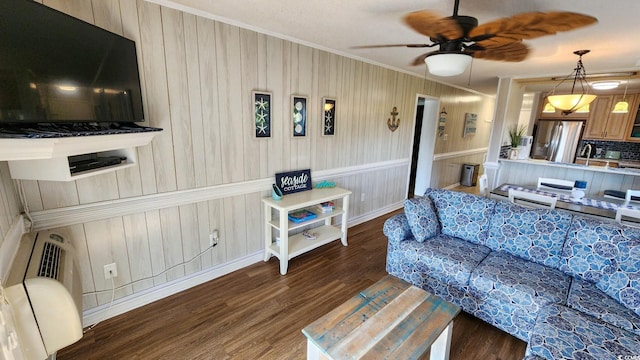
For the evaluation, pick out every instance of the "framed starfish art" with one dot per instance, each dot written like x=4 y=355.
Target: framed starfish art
x=328 y=116
x=261 y=107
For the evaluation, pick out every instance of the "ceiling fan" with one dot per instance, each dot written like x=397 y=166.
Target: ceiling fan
x=460 y=38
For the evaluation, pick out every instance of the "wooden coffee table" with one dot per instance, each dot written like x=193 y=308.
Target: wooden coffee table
x=391 y=319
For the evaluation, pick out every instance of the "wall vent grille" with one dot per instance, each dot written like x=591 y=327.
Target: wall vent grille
x=50 y=261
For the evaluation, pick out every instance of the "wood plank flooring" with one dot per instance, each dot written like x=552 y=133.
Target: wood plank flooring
x=255 y=313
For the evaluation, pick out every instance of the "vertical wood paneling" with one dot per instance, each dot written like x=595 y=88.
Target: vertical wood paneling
x=135 y=231
x=106 y=244
x=230 y=101
x=197 y=76
x=176 y=60
x=249 y=63
x=78 y=239
x=172 y=242
x=131 y=181
x=195 y=99
x=157 y=105
x=209 y=96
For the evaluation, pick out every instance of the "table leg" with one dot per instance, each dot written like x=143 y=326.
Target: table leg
x=440 y=348
x=313 y=353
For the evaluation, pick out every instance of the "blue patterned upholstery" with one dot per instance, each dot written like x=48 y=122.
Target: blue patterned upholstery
x=607 y=254
x=587 y=298
x=463 y=215
x=444 y=258
x=557 y=282
x=587 y=252
x=514 y=290
x=422 y=218
x=532 y=234
x=564 y=333
x=396 y=228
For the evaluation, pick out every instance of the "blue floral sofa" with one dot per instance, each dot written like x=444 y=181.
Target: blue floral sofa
x=567 y=285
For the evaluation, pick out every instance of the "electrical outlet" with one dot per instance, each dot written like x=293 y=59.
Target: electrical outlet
x=363 y=196
x=213 y=238
x=110 y=270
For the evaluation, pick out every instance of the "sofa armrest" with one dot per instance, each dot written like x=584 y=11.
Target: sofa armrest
x=397 y=229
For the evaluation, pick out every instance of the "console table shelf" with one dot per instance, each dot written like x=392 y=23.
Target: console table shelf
x=294 y=245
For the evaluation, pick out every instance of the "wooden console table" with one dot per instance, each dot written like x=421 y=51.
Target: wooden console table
x=292 y=246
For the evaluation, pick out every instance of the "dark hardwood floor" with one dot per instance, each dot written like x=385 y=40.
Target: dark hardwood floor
x=255 y=313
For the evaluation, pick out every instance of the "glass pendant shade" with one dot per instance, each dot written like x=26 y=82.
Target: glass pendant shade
x=447 y=64
x=548 y=108
x=621 y=107
x=584 y=109
x=570 y=102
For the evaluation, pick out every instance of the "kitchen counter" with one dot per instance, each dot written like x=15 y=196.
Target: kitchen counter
x=612 y=170
x=612 y=162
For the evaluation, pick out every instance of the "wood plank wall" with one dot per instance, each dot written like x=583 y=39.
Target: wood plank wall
x=197 y=76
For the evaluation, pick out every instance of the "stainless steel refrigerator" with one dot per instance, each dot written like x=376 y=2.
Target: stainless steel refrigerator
x=557 y=140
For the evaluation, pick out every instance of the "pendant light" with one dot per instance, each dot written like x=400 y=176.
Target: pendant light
x=622 y=107
x=568 y=103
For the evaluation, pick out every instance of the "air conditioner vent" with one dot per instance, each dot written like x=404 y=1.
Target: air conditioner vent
x=50 y=261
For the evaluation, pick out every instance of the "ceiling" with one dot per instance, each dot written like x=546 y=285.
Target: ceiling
x=339 y=25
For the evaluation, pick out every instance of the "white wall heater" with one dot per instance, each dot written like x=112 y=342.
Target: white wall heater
x=45 y=294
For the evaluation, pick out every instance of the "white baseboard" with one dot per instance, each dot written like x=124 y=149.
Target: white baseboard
x=148 y=296
x=134 y=301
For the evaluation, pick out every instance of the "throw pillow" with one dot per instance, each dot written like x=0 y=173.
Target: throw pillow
x=422 y=218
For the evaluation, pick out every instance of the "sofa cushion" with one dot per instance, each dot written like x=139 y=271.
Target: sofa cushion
x=564 y=333
x=514 y=289
x=590 y=248
x=463 y=215
x=586 y=297
x=623 y=281
x=531 y=234
x=422 y=218
x=444 y=258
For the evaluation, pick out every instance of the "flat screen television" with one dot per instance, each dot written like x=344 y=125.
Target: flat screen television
x=55 y=68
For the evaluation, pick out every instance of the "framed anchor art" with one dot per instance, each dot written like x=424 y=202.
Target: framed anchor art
x=261 y=113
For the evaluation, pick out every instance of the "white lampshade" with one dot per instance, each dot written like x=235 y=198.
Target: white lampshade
x=447 y=64
x=570 y=102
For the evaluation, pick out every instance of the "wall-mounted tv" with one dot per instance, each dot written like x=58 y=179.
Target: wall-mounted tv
x=55 y=68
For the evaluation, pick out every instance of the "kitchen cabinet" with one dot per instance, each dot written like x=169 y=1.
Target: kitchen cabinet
x=633 y=129
x=602 y=124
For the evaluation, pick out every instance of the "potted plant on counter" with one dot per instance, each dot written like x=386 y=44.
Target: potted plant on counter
x=515 y=134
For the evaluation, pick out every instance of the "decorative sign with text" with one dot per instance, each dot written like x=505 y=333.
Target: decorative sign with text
x=294 y=181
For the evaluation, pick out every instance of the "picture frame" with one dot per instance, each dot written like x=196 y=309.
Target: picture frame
x=298 y=116
x=261 y=110
x=470 y=123
x=328 y=116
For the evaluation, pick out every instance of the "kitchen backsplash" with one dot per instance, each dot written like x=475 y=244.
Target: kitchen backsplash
x=628 y=150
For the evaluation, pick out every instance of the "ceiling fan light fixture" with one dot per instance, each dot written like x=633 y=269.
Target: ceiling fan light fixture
x=447 y=64
x=568 y=103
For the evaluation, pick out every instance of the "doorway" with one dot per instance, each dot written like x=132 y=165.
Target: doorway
x=424 y=141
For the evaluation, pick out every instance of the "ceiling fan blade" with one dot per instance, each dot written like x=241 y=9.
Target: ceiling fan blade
x=530 y=26
x=433 y=25
x=393 y=45
x=512 y=52
x=420 y=59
